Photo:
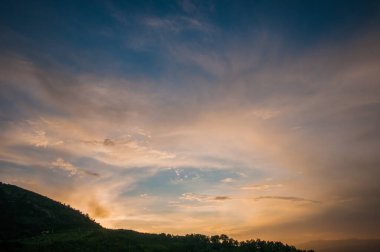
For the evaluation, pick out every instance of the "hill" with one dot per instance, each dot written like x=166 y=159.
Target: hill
x=32 y=222
x=347 y=245
x=25 y=213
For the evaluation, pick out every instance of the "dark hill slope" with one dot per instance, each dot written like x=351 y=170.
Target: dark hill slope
x=24 y=213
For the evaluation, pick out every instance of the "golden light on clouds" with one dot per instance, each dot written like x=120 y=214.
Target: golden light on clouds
x=253 y=137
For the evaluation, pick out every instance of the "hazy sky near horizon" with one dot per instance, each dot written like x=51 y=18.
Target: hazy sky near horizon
x=258 y=119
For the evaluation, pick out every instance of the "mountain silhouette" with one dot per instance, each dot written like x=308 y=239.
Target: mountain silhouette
x=32 y=222
x=25 y=213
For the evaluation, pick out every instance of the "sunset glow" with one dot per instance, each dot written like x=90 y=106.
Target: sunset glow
x=257 y=119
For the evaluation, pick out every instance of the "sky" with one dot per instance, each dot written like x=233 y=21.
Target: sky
x=257 y=119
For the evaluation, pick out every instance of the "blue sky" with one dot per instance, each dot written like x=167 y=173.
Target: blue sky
x=249 y=118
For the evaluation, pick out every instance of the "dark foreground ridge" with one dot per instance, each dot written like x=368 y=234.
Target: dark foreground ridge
x=32 y=222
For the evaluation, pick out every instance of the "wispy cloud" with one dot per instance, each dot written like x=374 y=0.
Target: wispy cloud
x=192 y=122
x=294 y=199
x=202 y=197
x=71 y=169
x=61 y=164
x=262 y=187
x=175 y=23
x=228 y=180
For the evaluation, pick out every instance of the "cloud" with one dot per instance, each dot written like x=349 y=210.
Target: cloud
x=202 y=197
x=175 y=24
x=294 y=199
x=38 y=136
x=262 y=187
x=71 y=169
x=61 y=164
x=90 y=173
x=121 y=150
x=240 y=106
x=108 y=142
x=249 y=126
x=221 y=198
x=228 y=180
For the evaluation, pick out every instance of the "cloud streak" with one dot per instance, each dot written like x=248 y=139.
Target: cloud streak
x=70 y=169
